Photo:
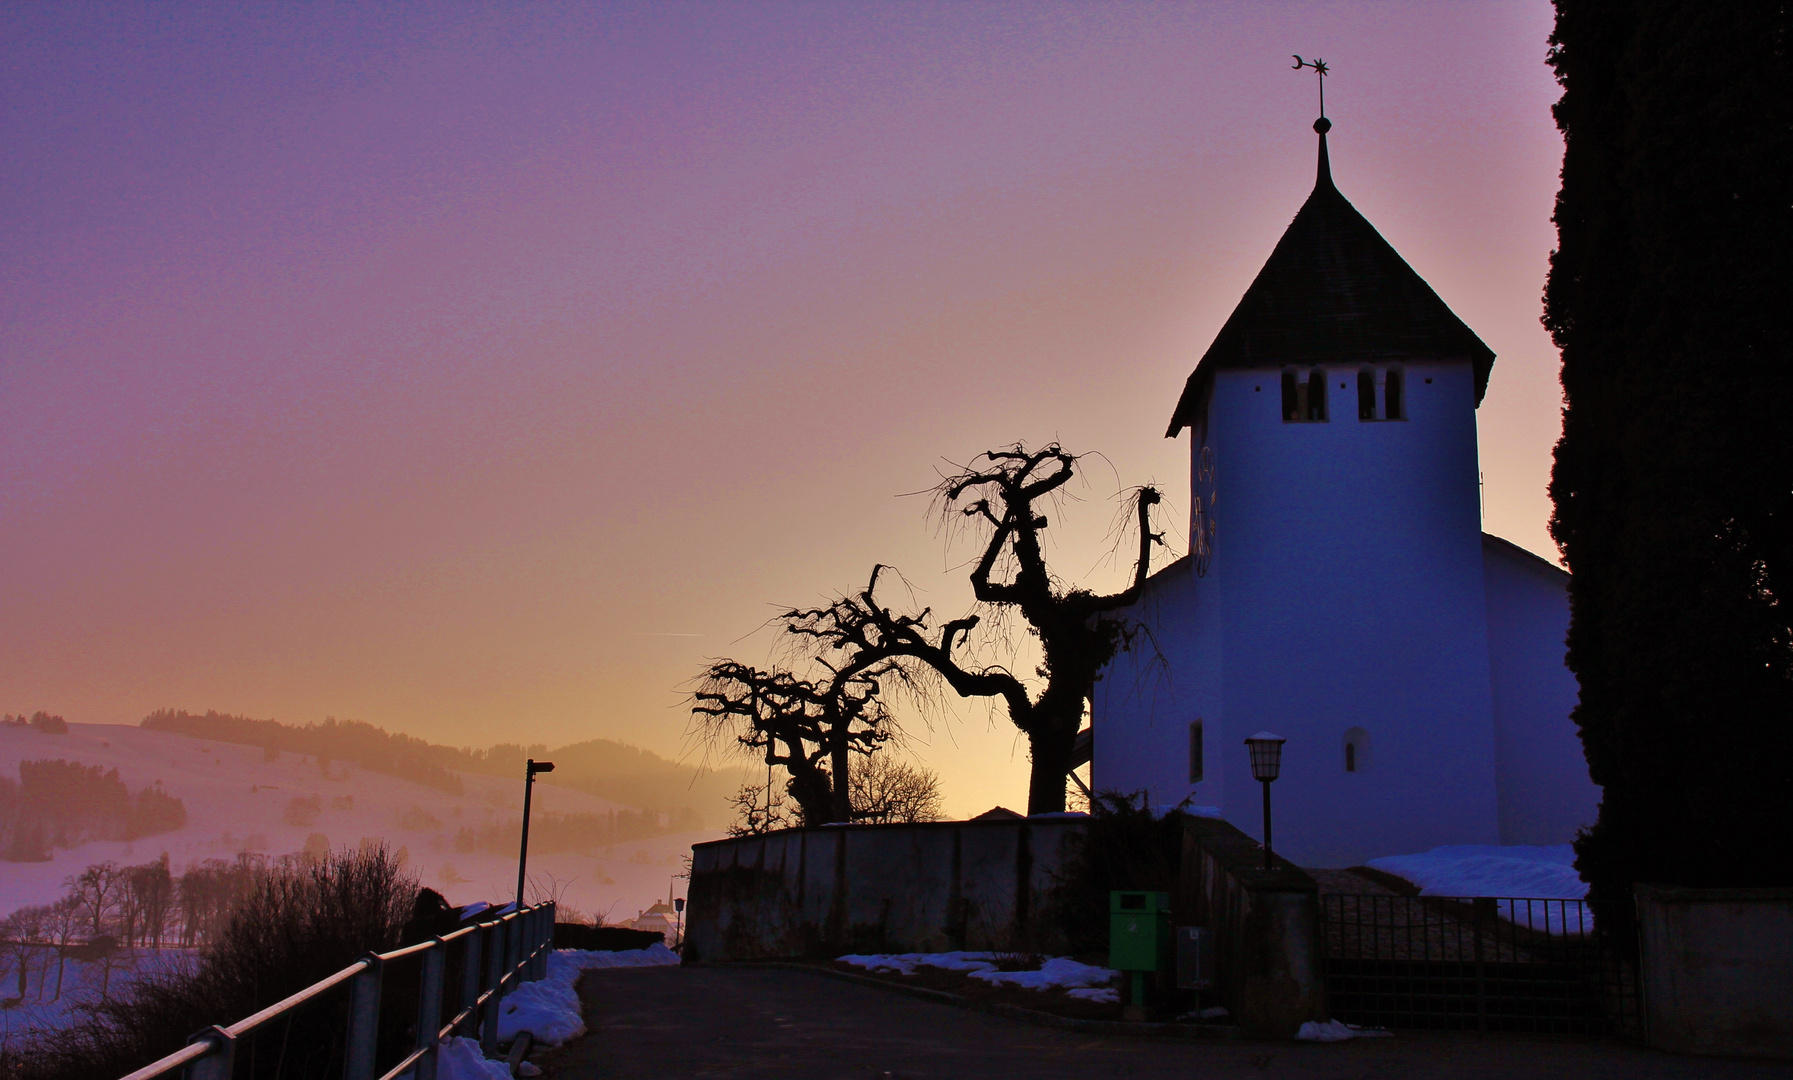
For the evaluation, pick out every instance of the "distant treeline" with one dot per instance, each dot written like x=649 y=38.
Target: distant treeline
x=612 y=770
x=42 y=721
x=65 y=804
x=333 y=740
x=550 y=832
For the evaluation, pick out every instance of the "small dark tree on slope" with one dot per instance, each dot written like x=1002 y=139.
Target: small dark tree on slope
x=1669 y=296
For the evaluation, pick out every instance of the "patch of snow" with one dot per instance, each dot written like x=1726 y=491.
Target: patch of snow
x=906 y=963
x=549 y=1007
x=1337 y=1031
x=1214 y=1012
x=1516 y=870
x=461 y=1059
x=1057 y=973
x=1101 y=995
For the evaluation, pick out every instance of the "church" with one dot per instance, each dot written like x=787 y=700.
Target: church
x=1339 y=590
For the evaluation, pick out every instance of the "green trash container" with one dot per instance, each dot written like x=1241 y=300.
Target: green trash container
x=1139 y=936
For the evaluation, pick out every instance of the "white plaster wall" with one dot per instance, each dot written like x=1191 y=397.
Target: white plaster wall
x=1148 y=696
x=1346 y=590
x=1545 y=793
x=1351 y=570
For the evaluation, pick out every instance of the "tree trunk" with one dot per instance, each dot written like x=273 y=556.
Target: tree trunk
x=840 y=802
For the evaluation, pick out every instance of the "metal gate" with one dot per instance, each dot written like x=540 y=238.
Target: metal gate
x=1476 y=963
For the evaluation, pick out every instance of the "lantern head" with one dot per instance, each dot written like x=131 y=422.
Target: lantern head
x=1266 y=755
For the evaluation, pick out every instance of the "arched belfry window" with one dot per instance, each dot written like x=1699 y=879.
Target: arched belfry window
x=1304 y=398
x=1366 y=395
x=1316 y=396
x=1392 y=405
x=1357 y=750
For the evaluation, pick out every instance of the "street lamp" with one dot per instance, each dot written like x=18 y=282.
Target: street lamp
x=529 y=772
x=1266 y=762
x=678 y=906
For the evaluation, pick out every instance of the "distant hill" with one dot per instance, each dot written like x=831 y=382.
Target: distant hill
x=611 y=770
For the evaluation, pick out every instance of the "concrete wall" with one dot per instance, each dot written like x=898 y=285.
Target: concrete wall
x=1266 y=926
x=1541 y=773
x=1718 y=970
x=930 y=887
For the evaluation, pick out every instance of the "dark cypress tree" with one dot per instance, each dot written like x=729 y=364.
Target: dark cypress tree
x=1670 y=297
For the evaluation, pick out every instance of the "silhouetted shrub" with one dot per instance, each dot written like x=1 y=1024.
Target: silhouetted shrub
x=304 y=920
x=1124 y=847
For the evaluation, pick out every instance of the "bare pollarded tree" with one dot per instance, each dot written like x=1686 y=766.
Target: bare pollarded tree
x=810 y=726
x=1003 y=495
x=859 y=646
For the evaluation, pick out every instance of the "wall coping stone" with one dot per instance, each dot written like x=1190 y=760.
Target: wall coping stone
x=1678 y=894
x=1243 y=858
x=1048 y=820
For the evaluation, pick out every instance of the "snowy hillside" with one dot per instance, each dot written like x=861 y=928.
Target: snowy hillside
x=237 y=800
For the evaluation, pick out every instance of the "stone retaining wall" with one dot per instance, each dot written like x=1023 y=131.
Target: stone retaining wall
x=928 y=887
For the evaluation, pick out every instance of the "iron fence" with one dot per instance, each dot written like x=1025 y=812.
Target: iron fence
x=491 y=957
x=1478 y=964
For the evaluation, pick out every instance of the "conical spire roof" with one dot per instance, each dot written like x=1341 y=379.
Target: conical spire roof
x=1334 y=292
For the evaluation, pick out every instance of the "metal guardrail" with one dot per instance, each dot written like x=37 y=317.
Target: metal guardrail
x=514 y=948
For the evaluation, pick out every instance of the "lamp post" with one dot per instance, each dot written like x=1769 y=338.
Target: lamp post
x=678 y=906
x=1266 y=762
x=529 y=772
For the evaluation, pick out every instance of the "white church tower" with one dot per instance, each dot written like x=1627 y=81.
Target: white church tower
x=1340 y=591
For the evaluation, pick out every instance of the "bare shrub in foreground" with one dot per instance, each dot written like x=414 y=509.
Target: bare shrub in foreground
x=303 y=920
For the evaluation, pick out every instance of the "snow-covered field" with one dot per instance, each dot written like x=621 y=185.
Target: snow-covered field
x=49 y=1001
x=235 y=800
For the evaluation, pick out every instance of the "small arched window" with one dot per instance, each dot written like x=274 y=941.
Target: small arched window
x=1291 y=398
x=1366 y=395
x=1391 y=397
x=1357 y=750
x=1316 y=396
x=1195 y=752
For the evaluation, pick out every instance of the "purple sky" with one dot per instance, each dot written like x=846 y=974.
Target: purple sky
x=478 y=371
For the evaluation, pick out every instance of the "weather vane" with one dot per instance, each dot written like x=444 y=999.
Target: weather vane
x=1320 y=69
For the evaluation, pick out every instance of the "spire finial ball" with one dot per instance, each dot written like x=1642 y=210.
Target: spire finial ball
x=1322 y=125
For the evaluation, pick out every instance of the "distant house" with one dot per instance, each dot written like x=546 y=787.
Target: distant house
x=660 y=917
x=1340 y=591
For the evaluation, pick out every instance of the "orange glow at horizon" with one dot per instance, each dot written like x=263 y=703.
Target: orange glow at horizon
x=479 y=372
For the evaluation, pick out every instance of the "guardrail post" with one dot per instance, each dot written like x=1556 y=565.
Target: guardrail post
x=494 y=980
x=364 y=1021
x=532 y=945
x=546 y=943
x=429 y=1010
x=513 y=947
x=218 y=1064
x=470 y=956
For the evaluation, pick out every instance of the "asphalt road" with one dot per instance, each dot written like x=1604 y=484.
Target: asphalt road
x=750 y=1023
